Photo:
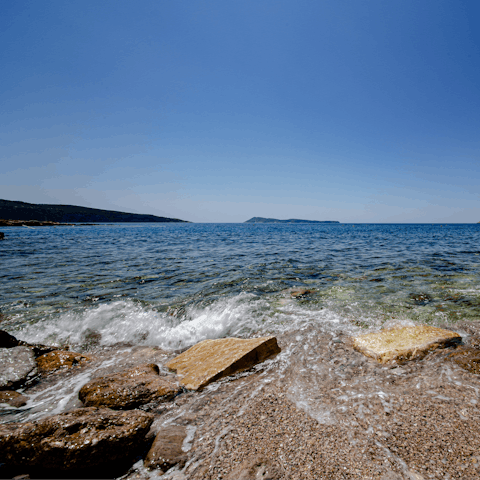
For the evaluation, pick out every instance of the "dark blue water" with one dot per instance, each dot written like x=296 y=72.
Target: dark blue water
x=162 y=283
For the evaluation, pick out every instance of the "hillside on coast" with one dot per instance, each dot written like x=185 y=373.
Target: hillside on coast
x=11 y=210
x=291 y=220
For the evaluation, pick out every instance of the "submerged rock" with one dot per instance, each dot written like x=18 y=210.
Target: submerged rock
x=257 y=468
x=468 y=358
x=13 y=398
x=211 y=360
x=300 y=292
x=82 y=438
x=129 y=389
x=166 y=450
x=17 y=364
x=59 y=359
x=404 y=343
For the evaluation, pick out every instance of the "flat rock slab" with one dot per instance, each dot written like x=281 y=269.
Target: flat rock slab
x=129 y=389
x=16 y=365
x=59 y=360
x=166 y=450
x=405 y=343
x=211 y=360
x=82 y=438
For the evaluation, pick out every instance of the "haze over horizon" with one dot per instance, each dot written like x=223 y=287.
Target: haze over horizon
x=222 y=111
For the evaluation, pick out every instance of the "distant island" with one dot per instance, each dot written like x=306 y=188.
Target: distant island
x=10 y=210
x=291 y=220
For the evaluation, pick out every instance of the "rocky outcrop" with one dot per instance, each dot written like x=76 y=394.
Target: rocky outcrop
x=405 y=343
x=211 y=360
x=257 y=468
x=79 y=439
x=17 y=364
x=129 y=389
x=59 y=360
x=13 y=398
x=166 y=450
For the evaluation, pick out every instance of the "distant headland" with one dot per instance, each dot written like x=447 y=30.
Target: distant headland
x=10 y=210
x=291 y=220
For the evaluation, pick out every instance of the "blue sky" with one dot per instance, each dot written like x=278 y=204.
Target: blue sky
x=218 y=111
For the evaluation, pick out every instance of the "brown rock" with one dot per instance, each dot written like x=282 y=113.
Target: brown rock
x=211 y=360
x=257 y=468
x=300 y=292
x=13 y=398
x=129 y=389
x=405 y=343
x=81 y=438
x=468 y=358
x=167 y=450
x=59 y=360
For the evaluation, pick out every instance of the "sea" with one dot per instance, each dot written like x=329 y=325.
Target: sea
x=173 y=285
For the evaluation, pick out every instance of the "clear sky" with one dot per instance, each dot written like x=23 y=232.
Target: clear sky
x=218 y=111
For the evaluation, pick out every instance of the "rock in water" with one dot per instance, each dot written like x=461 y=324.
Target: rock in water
x=405 y=343
x=59 y=359
x=468 y=359
x=14 y=399
x=129 y=389
x=16 y=365
x=211 y=360
x=257 y=468
x=7 y=340
x=82 y=438
x=166 y=450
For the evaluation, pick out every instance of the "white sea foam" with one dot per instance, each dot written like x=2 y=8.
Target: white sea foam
x=126 y=321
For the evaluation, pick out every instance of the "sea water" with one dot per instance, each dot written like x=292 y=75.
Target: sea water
x=173 y=285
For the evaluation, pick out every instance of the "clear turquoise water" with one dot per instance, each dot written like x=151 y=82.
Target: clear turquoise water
x=175 y=284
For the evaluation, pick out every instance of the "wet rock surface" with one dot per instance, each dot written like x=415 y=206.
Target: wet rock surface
x=211 y=360
x=404 y=343
x=13 y=398
x=7 y=340
x=300 y=292
x=17 y=364
x=129 y=389
x=59 y=360
x=257 y=468
x=468 y=358
x=79 y=439
x=166 y=450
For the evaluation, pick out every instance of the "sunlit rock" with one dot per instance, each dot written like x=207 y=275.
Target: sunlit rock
x=129 y=389
x=59 y=360
x=13 y=398
x=211 y=360
x=166 y=450
x=405 y=343
x=300 y=292
x=17 y=364
x=82 y=438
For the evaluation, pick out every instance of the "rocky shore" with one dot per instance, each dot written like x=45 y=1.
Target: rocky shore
x=398 y=404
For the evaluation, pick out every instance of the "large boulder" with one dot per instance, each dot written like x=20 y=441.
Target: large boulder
x=211 y=360
x=166 y=450
x=17 y=364
x=129 y=389
x=405 y=343
x=79 y=439
x=59 y=360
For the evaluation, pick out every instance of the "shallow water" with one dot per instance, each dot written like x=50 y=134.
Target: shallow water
x=172 y=285
x=116 y=291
